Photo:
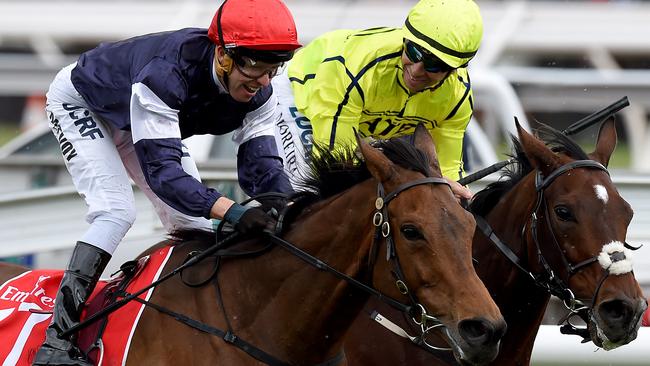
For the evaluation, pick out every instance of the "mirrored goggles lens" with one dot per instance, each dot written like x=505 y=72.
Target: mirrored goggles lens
x=431 y=63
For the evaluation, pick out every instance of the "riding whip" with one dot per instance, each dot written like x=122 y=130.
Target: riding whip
x=571 y=130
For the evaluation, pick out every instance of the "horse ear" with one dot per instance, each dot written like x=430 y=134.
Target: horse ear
x=424 y=142
x=378 y=164
x=539 y=155
x=606 y=142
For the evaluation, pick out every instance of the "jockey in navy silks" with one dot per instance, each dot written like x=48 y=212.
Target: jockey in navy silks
x=122 y=110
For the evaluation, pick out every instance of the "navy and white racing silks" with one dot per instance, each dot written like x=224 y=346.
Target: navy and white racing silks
x=163 y=88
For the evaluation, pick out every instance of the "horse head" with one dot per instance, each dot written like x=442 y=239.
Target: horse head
x=576 y=236
x=426 y=260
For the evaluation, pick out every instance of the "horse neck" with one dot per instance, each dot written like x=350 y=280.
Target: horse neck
x=298 y=302
x=521 y=303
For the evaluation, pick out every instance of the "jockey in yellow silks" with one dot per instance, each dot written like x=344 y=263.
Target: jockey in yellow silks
x=383 y=82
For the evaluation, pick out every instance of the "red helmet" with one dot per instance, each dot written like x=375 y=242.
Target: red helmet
x=265 y=25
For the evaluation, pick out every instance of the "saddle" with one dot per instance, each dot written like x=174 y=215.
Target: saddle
x=90 y=339
x=26 y=303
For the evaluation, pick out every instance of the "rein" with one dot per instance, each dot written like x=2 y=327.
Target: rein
x=548 y=280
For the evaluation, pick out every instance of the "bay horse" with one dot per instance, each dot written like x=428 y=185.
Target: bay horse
x=390 y=224
x=562 y=225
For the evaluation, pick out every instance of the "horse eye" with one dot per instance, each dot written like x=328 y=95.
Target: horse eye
x=563 y=213
x=410 y=232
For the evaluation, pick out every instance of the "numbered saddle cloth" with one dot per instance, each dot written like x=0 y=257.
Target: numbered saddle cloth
x=27 y=301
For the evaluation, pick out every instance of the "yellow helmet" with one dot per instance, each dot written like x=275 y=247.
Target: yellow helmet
x=450 y=29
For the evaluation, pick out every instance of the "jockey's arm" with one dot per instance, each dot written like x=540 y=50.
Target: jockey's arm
x=157 y=140
x=333 y=108
x=448 y=138
x=259 y=165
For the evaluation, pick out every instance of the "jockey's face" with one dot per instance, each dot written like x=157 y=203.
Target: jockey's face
x=243 y=88
x=417 y=78
x=244 y=82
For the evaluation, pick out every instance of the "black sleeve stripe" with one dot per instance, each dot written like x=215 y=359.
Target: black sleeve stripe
x=307 y=77
x=468 y=87
x=399 y=83
x=354 y=83
x=373 y=31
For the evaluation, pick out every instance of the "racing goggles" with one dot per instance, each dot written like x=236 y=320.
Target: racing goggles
x=254 y=70
x=416 y=54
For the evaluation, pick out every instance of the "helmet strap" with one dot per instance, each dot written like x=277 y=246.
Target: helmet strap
x=219 y=30
x=223 y=67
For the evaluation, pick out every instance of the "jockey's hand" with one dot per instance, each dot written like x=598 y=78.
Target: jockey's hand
x=460 y=192
x=249 y=220
x=273 y=205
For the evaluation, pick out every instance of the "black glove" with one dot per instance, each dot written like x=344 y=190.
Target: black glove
x=272 y=205
x=252 y=220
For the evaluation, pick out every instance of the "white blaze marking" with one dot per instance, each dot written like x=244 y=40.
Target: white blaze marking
x=601 y=193
x=619 y=267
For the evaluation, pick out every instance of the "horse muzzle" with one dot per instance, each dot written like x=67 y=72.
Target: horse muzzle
x=476 y=341
x=614 y=323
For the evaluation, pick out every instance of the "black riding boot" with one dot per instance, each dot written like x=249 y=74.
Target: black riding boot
x=85 y=267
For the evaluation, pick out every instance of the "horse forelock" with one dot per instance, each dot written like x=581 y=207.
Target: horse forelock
x=561 y=143
x=485 y=199
x=558 y=142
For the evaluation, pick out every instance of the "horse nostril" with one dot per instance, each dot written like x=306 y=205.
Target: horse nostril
x=616 y=311
x=476 y=332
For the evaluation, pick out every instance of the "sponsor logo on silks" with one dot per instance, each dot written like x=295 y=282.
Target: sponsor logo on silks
x=86 y=124
x=66 y=146
x=306 y=133
x=389 y=126
x=288 y=146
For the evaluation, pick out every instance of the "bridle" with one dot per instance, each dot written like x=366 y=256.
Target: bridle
x=547 y=279
x=381 y=221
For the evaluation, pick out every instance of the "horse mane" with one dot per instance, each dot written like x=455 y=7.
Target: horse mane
x=559 y=143
x=332 y=171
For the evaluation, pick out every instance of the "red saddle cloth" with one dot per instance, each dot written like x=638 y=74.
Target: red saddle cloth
x=27 y=300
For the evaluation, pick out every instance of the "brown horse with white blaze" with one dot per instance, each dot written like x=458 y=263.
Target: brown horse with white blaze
x=553 y=225
x=411 y=246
